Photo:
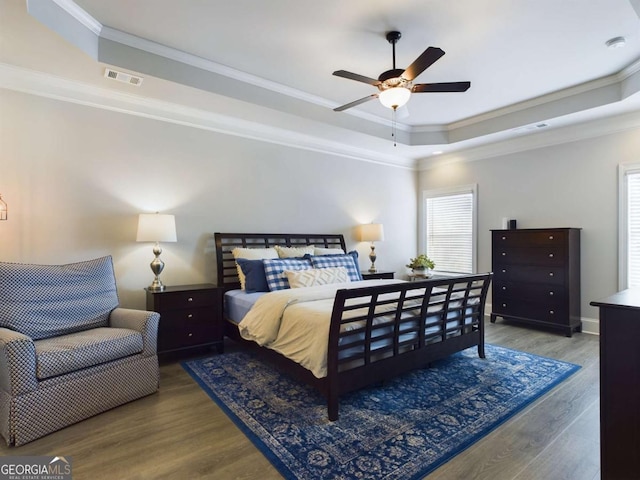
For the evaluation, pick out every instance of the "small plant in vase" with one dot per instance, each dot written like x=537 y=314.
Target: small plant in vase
x=421 y=265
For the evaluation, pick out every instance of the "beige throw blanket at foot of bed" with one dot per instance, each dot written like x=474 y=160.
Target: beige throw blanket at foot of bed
x=295 y=322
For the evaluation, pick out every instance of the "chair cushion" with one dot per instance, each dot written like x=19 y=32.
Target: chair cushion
x=75 y=351
x=43 y=301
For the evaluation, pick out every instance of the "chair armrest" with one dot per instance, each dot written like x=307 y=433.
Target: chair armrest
x=17 y=363
x=140 y=321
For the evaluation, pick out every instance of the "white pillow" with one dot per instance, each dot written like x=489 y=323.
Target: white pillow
x=316 y=276
x=294 y=252
x=328 y=251
x=251 y=254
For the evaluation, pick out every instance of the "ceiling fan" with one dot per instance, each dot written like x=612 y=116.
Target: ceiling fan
x=395 y=86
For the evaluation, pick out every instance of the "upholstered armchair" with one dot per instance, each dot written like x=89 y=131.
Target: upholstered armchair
x=67 y=351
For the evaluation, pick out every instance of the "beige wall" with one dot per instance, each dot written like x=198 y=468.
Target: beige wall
x=568 y=185
x=76 y=177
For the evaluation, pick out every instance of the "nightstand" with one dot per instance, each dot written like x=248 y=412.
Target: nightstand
x=190 y=317
x=377 y=275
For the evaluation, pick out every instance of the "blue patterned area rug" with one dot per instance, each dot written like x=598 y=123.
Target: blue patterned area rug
x=404 y=429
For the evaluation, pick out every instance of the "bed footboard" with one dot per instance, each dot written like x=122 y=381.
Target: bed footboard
x=380 y=332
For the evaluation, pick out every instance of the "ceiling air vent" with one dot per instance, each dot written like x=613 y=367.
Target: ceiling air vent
x=123 y=77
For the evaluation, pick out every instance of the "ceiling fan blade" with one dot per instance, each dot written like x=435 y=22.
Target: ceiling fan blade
x=424 y=61
x=441 y=87
x=357 y=102
x=356 y=77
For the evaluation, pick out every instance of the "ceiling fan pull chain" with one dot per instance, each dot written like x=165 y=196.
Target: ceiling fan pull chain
x=393 y=127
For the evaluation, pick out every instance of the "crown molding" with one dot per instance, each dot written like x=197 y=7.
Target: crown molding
x=533 y=141
x=50 y=86
x=537 y=101
x=80 y=15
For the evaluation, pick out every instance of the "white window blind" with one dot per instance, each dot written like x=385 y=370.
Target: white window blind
x=633 y=228
x=450 y=232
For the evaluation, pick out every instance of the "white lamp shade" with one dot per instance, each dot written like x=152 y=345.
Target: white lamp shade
x=154 y=227
x=394 y=97
x=371 y=232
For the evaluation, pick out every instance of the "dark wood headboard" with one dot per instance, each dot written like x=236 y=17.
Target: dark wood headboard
x=226 y=242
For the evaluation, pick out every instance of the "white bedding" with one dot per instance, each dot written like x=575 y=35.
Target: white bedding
x=295 y=322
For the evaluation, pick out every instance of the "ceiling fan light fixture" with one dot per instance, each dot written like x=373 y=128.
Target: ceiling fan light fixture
x=395 y=97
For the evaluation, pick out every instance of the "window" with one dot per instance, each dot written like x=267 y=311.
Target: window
x=629 y=226
x=449 y=231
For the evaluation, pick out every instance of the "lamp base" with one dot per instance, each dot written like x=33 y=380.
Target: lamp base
x=157 y=265
x=373 y=257
x=156 y=286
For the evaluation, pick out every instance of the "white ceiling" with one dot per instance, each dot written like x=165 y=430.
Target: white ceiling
x=529 y=62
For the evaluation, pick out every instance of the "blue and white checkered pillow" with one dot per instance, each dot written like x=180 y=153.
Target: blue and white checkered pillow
x=274 y=268
x=349 y=261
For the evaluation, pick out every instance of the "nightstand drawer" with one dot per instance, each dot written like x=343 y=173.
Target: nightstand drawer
x=187 y=299
x=185 y=316
x=188 y=334
x=377 y=275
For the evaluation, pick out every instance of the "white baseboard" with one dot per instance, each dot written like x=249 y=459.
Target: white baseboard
x=589 y=325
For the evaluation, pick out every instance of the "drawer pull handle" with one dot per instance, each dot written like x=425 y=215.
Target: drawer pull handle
x=189 y=299
x=191 y=334
x=504 y=288
x=550 y=237
x=190 y=315
x=504 y=304
x=504 y=270
x=504 y=254
x=551 y=274
x=551 y=255
x=551 y=293
x=551 y=312
x=504 y=238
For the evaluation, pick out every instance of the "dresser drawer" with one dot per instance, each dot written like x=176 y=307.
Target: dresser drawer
x=552 y=275
x=187 y=299
x=521 y=238
x=531 y=310
x=541 y=256
x=544 y=294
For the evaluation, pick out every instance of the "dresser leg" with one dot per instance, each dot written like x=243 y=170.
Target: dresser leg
x=492 y=318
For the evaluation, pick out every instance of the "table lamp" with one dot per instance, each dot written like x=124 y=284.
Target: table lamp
x=372 y=232
x=154 y=227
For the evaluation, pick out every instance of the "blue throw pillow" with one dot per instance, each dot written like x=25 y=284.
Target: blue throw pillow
x=349 y=261
x=255 y=278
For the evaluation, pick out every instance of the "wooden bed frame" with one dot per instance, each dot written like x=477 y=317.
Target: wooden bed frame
x=376 y=332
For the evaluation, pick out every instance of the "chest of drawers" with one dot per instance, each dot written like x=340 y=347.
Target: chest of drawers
x=536 y=277
x=190 y=317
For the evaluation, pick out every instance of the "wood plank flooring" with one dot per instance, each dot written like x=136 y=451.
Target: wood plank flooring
x=179 y=433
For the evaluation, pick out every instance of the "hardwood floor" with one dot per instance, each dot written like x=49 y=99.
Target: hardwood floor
x=179 y=433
